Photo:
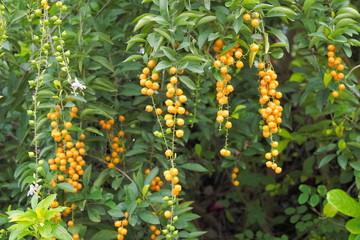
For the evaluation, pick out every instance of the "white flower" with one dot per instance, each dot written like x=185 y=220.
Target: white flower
x=142 y=50
x=76 y=84
x=33 y=189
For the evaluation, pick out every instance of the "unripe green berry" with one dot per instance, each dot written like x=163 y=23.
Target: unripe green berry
x=165 y=231
x=172 y=228
x=171 y=202
x=30 y=112
x=59 y=4
x=58 y=22
x=41 y=162
x=175 y=233
x=31 y=154
x=168 y=236
x=175 y=218
x=38 y=12
x=31 y=122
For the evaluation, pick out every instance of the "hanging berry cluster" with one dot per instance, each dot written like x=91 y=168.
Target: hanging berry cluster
x=174 y=109
x=270 y=110
x=116 y=143
x=336 y=69
x=156 y=183
x=65 y=213
x=224 y=62
x=68 y=162
x=120 y=225
x=234 y=175
x=156 y=232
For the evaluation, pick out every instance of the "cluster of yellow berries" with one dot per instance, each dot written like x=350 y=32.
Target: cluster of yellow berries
x=149 y=81
x=117 y=143
x=223 y=62
x=121 y=224
x=156 y=232
x=270 y=157
x=156 y=183
x=254 y=17
x=69 y=154
x=171 y=175
x=335 y=62
x=234 y=176
x=271 y=110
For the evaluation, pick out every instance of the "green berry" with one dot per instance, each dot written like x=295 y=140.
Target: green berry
x=31 y=154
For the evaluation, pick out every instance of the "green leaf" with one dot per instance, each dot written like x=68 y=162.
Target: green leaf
x=188 y=82
x=194 y=167
x=60 y=233
x=325 y=160
x=329 y=210
x=287 y=11
x=45 y=203
x=193 y=56
x=94 y=214
x=327 y=79
x=314 y=200
x=132 y=58
x=105 y=235
x=277 y=53
x=321 y=189
x=342 y=161
x=343 y=202
x=304 y=188
x=148 y=217
x=91 y=111
x=353 y=225
x=283 y=39
x=66 y=186
x=303 y=198
x=307 y=4
x=34 y=201
x=94 y=130
x=104 y=62
x=162 y=65
x=205 y=19
x=170 y=53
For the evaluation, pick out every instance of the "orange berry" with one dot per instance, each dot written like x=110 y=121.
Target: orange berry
x=146 y=70
x=111 y=165
x=275 y=144
x=341 y=87
x=68 y=124
x=247 y=17
x=70 y=223
x=261 y=65
x=254 y=47
x=278 y=170
x=149 y=108
x=236 y=183
x=255 y=23
x=151 y=63
x=121 y=118
x=228 y=125
x=169 y=153
x=173 y=70
x=236 y=170
x=335 y=94
x=239 y=64
x=269 y=164
x=331 y=48
x=217 y=64
x=268 y=156
x=167 y=214
x=179 y=133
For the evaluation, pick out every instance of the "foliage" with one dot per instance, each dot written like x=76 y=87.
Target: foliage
x=72 y=119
